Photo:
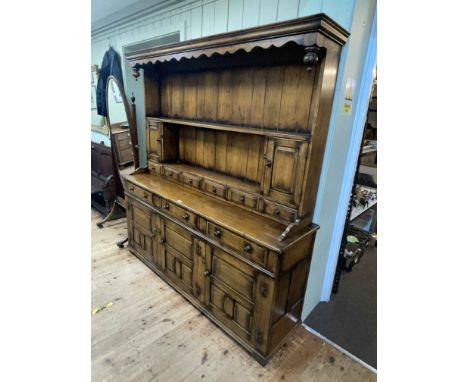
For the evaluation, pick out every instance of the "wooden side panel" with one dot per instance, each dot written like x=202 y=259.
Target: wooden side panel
x=262 y=312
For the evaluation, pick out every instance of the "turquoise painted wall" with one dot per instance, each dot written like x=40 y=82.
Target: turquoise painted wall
x=193 y=19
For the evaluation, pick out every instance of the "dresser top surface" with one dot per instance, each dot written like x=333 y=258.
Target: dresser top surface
x=248 y=224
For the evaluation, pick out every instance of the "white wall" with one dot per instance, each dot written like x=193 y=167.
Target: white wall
x=201 y=18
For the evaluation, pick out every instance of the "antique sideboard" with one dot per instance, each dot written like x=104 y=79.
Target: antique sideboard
x=236 y=126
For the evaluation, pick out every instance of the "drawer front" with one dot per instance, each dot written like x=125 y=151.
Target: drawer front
x=171 y=173
x=178 y=239
x=139 y=192
x=246 y=248
x=125 y=156
x=191 y=180
x=215 y=188
x=279 y=211
x=243 y=198
x=154 y=168
x=180 y=213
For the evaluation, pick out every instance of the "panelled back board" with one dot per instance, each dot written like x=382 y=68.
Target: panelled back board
x=236 y=130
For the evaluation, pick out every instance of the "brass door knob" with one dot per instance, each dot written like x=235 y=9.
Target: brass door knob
x=247 y=248
x=206 y=273
x=277 y=212
x=186 y=216
x=145 y=195
x=242 y=199
x=217 y=232
x=166 y=206
x=131 y=188
x=214 y=190
x=162 y=241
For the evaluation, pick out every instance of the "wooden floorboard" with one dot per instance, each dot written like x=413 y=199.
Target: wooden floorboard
x=151 y=333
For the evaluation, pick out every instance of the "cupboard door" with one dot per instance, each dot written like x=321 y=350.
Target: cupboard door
x=230 y=287
x=199 y=268
x=154 y=141
x=284 y=164
x=142 y=229
x=177 y=251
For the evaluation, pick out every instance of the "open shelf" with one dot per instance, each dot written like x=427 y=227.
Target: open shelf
x=233 y=128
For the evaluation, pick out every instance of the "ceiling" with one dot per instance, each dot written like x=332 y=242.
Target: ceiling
x=101 y=9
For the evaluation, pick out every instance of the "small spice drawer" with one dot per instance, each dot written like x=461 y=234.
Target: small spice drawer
x=180 y=213
x=154 y=168
x=190 y=179
x=215 y=188
x=243 y=198
x=171 y=173
x=246 y=248
x=279 y=211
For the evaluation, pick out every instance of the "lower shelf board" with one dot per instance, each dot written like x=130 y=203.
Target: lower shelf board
x=260 y=358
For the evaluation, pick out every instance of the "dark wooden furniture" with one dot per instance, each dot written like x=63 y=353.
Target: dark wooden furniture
x=236 y=129
x=102 y=179
x=122 y=142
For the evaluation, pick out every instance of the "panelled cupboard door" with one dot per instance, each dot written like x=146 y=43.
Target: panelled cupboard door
x=154 y=141
x=177 y=247
x=142 y=229
x=230 y=291
x=284 y=161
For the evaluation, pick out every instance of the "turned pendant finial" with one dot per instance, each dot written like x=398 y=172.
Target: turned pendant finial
x=311 y=57
x=135 y=72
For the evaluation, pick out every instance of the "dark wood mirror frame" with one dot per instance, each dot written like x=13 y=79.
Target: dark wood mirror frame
x=118 y=166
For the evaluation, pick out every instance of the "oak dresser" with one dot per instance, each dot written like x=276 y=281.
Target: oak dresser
x=236 y=126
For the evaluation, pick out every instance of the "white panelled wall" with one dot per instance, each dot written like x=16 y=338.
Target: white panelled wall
x=200 y=18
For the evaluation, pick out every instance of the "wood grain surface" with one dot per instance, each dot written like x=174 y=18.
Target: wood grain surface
x=151 y=333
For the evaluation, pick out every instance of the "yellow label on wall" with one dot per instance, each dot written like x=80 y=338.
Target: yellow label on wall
x=347 y=108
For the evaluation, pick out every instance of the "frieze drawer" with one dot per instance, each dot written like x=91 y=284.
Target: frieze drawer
x=180 y=213
x=140 y=192
x=245 y=247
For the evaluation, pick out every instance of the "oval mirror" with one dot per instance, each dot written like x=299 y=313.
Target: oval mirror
x=119 y=116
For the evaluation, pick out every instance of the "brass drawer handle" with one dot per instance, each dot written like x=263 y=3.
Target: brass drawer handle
x=276 y=212
x=169 y=173
x=190 y=181
x=217 y=232
x=186 y=216
x=159 y=139
x=242 y=199
x=214 y=189
x=166 y=206
x=145 y=195
x=247 y=248
x=131 y=188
